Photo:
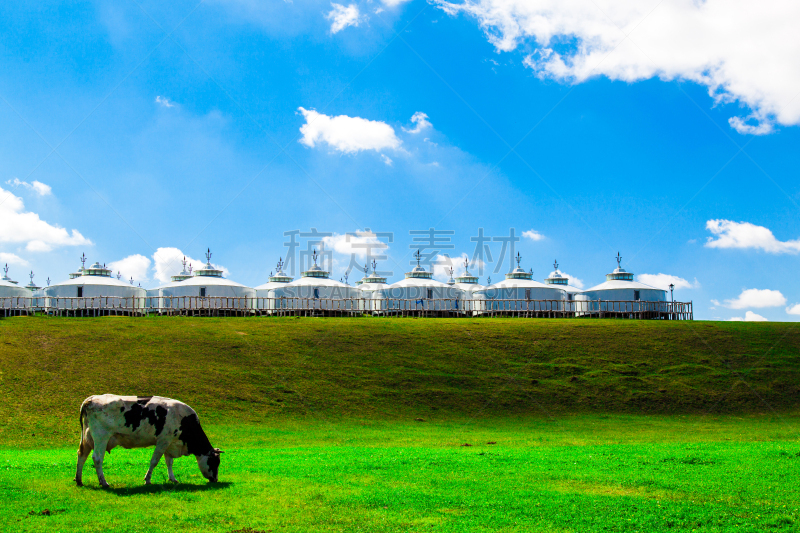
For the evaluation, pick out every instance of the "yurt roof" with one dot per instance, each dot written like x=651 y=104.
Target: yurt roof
x=202 y=281
x=621 y=284
x=371 y=286
x=621 y=279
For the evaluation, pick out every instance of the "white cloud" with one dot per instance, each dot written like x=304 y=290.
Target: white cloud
x=742 y=51
x=794 y=310
x=36 y=186
x=393 y=3
x=730 y=234
x=386 y=159
x=20 y=226
x=14 y=259
x=757 y=298
x=421 y=120
x=342 y=17
x=346 y=134
x=167 y=263
x=662 y=281
x=133 y=266
x=533 y=235
x=164 y=101
x=748 y=317
x=360 y=244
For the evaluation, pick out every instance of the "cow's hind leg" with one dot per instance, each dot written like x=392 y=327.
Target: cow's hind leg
x=84 y=450
x=168 y=460
x=99 y=451
x=157 y=453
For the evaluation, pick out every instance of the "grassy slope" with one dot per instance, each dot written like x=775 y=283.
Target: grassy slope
x=317 y=418
x=374 y=369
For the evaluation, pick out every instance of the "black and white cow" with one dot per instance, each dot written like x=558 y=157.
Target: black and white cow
x=171 y=426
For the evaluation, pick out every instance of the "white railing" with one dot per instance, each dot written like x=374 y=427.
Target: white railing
x=393 y=307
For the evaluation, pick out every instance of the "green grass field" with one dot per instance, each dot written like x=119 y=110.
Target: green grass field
x=413 y=425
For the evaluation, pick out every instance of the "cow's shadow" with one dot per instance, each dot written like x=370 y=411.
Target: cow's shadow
x=163 y=488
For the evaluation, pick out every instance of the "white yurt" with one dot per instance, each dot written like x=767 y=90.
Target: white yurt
x=263 y=299
x=620 y=294
x=94 y=292
x=205 y=291
x=14 y=300
x=315 y=292
x=519 y=292
x=562 y=282
x=418 y=291
x=467 y=285
x=369 y=285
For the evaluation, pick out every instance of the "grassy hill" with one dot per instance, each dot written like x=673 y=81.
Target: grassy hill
x=548 y=426
x=394 y=368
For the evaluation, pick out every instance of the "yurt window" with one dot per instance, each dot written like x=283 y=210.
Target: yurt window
x=316 y=293
x=635 y=295
x=80 y=292
x=430 y=294
x=202 y=292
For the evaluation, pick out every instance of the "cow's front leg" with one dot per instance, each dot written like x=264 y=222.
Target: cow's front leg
x=97 y=456
x=168 y=460
x=157 y=453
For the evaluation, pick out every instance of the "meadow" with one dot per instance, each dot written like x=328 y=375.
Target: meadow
x=413 y=425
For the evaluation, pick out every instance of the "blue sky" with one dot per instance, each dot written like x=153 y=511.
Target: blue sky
x=136 y=132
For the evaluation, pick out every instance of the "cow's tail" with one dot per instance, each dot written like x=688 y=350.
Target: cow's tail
x=82 y=420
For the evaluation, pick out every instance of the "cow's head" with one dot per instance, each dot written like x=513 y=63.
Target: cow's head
x=209 y=464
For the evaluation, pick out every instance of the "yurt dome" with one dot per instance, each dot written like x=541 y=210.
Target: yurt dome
x=620 y=286
x=10 y=289
x=99 y=289
x=520 y=292
x=205 y=289
x=32 y=286
x=466 y=282
x=184 y=274
x=468 y=285
x=562 y=282
x=315 y=283
x=276 y=281
x=315 y=291
x=371 y=282
x=416 y=290
x=5 y=276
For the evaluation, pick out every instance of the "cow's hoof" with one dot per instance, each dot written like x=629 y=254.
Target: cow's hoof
x=106 y=486
x=173 y=481
x=147 y=482
x=79 y=483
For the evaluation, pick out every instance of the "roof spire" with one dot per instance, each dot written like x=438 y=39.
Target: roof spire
x=5 y=269
x=208 y=256
x=131 y=280
x=280 y=265
x=190 y=268
x=555 y=265
x=519 y=258
x=48 y=281
x=374 y=267
x=31 y=277
x=619 y=260
x=314 y=255
x=118 y=275
x=184 y=263
x=417 y=256
x=83 y=260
